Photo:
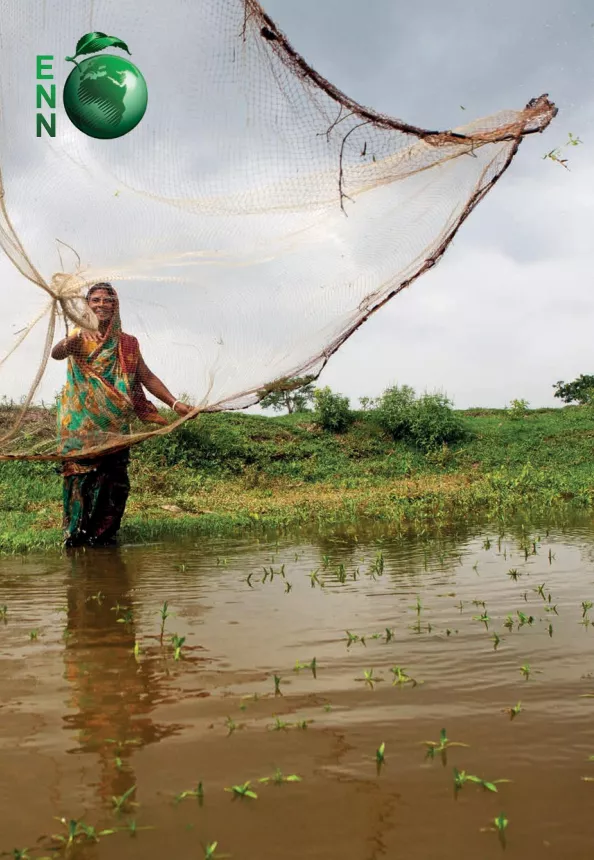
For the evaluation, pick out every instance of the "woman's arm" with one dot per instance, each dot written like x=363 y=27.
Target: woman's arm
x=67 y=346
x=158 y=389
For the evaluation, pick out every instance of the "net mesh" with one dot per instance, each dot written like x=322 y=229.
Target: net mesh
x=250 y=223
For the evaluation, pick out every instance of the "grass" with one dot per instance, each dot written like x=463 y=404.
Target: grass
x=236 y=471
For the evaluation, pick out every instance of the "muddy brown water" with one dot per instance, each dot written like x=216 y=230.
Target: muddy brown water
x=83 y=718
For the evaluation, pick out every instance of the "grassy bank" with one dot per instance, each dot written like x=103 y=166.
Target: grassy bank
x=229 y=471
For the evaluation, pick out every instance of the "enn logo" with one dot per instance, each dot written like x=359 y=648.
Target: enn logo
x=45 y=73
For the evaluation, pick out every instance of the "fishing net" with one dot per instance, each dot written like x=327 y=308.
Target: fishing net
x=252 y=220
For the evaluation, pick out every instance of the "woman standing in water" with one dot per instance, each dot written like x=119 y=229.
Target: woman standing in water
x=103 y=392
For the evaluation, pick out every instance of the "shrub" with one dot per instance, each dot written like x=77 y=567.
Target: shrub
x=433 y=422
x=428 y=422
x=393 y=412
x=333 y=413
x=519 y=409
x=208 y=442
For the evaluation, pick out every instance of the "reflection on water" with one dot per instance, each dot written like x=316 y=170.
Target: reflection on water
x=112 y=693
x=93 y=702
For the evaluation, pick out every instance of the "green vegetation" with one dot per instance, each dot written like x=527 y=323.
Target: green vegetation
x=227 y=471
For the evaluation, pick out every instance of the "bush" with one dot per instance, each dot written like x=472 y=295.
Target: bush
x=434 y=423
x=333 y=413
x=394 y=410
x=209 y=442
x=519 y=409
x=427 y=422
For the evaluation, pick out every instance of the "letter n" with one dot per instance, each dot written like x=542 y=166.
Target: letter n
x=42 y=122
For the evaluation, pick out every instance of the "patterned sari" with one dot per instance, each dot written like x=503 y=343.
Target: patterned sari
x=101 y=397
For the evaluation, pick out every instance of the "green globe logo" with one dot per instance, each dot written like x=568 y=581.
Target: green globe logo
x=104 y=97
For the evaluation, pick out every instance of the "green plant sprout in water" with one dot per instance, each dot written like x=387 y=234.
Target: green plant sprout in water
x=586 y=607
x=33 y=635
x=177 y=642
x=526 y=670
x=242 y=791
x=277 y=778
x=352 y=637
x=485 y=618
x=133 y=828
x=440 y=747
x=418 y=607
x=514 y=574
x=77 y=831
x=500 y=826
x=314 y=579
x=513 y=712
x=524 y=619
x=209 y=852
x=198 y=793
x=231 y=726
x=164 y=616
x=461 y=778
x=311 y=666
x=400 y=677
x=277 y=682
x=3 y=614
x=279 y=725
x=369 y=678
x=120 y=803
x=18 y=854
x=126 y=617
x=496 y=640
x=380 y=757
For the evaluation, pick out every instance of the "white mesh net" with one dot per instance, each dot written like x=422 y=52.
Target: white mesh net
x=250 y=223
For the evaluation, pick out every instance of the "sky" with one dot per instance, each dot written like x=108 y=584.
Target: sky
x=507 y=312
x=509 y=309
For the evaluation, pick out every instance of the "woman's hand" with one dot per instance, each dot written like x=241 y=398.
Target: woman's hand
x=74 y=343
x=182 y=408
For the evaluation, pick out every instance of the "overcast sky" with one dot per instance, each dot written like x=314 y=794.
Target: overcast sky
x=510 y=308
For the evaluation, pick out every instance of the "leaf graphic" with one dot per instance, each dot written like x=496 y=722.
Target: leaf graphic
x=91 y=43
x=103 y=42
x=84 y=41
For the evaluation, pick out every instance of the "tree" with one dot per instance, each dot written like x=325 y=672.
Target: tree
x=294 y=395
x=333 y=412
x=581 y=390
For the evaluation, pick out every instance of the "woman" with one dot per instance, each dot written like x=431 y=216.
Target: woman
x=103 y=392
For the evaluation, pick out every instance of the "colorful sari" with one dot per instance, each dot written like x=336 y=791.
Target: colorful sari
x=101 y=397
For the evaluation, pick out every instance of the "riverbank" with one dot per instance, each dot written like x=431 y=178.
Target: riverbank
x=235 y=471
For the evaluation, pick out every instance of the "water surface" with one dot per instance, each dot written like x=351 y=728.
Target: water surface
x=84 y=716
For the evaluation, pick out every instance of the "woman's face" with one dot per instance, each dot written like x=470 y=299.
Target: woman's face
x=102 y=303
